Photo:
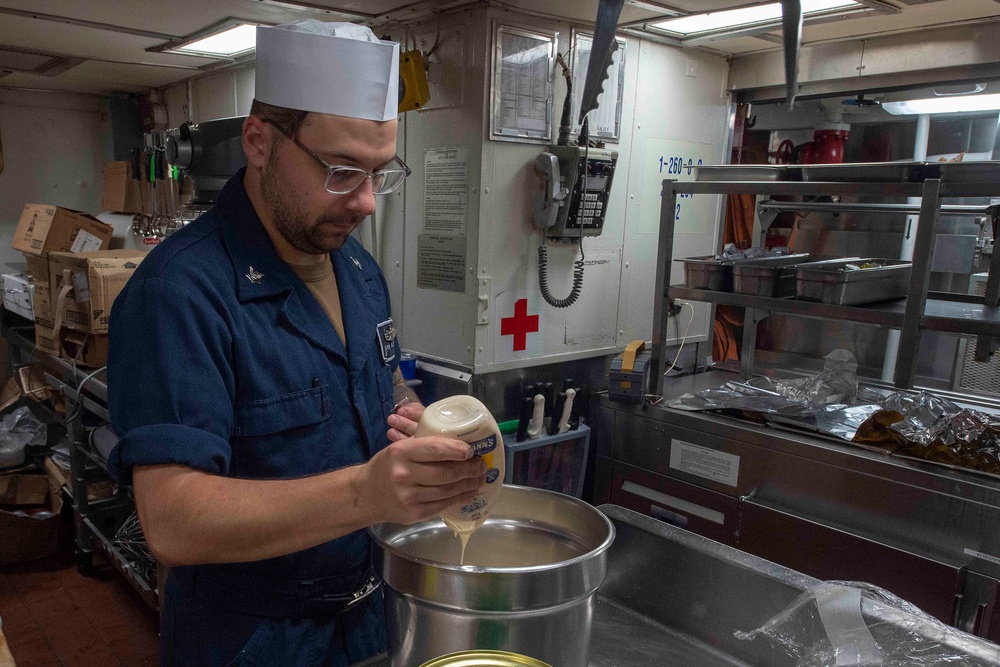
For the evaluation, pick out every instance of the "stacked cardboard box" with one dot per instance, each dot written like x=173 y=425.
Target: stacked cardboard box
x=121 y=191
x=29 y=515
x=41 y=301
x=83 y=287
x=43 y=230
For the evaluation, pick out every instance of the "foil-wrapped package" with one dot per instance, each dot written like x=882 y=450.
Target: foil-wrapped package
x=914 y=423
x=926 y=426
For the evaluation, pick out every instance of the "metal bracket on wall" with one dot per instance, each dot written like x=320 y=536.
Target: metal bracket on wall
x=483 y=301
x=762 y=220
x=985 y=347
x=992 y=297
x=765 y=216
x=751 y=318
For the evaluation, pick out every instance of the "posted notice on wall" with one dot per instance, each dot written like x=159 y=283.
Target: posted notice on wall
x=441 y=262
x=446 y=190
x=704 y=462
x=523 y=84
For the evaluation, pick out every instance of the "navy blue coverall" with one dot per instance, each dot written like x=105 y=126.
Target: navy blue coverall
x=222 y=360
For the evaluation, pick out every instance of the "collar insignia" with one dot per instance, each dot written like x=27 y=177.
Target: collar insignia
x=254 y=276
x=356 y=263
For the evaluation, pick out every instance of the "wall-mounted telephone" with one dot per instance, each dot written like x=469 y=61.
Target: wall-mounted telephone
x=573 y=205
x=577 y=186
x=577 y=177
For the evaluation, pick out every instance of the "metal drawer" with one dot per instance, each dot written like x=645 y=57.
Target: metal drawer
x=680 y=504
x=826 y=552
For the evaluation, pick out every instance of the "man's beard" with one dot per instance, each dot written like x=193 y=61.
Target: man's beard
x=291 y=221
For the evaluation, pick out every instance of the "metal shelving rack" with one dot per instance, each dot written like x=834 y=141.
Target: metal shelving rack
x=921 y=310
x=96 y=521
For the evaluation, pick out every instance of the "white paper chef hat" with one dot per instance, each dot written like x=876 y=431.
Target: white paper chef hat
x=334 y=68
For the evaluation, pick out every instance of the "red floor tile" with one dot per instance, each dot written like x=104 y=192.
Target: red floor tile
x=54 y=616
x=35 y=652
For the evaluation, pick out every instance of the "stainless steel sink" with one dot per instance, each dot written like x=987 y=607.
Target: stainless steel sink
x=675 y=598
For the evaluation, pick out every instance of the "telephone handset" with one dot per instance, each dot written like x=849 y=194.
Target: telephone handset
x=577 y=186
x=554 y=195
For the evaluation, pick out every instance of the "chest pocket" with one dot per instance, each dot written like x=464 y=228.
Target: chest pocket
x=283 y=436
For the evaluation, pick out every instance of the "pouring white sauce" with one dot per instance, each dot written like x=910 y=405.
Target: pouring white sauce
x=465 y=418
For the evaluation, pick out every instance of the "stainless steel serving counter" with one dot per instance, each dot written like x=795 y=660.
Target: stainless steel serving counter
x=675 y=598
x=928 y=533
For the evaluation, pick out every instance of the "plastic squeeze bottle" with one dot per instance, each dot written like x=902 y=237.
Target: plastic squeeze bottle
x=465 y=418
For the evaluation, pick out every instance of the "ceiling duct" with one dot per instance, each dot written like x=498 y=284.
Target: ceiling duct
x=21 y=61
x=36 y=62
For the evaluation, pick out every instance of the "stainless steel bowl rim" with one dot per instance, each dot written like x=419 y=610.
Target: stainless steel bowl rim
x=601 y=548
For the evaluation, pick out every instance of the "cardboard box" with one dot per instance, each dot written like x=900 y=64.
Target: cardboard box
x=23 y=490
x=18 y=292
x=96 y=490
x=121 y=191
x=28 y=535
x=97 y=278
x=44 y=228
x=38 y=267
x=44 y=340
x=38 y=270
x=84 y=349
x=42 y=305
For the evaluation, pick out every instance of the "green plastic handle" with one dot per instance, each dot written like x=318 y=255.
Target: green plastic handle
x=508 y=427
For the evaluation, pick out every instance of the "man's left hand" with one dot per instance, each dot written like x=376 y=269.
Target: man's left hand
x=403 y=422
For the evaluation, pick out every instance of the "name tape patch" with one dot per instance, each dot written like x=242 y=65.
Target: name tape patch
x=386 y=334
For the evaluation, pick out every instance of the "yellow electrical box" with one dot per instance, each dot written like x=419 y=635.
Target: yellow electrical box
x=413 y=90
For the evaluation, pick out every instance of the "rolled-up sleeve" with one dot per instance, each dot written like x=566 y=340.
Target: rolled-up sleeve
x=170 y=378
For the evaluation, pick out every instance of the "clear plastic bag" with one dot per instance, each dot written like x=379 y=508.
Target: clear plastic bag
x=837 y=384
x=18 y=430
x=843 y=623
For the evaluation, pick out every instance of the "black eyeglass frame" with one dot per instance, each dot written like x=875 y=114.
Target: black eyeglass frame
x=331 y=169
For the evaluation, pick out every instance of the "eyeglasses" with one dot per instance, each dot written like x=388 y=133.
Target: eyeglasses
x=342 y=180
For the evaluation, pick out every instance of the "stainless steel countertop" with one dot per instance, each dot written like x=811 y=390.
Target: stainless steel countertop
x=624 y=638
x=671 y=597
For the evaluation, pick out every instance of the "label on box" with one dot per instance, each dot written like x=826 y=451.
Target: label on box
x=704 y=462
x=81 y=288
x=85 y=242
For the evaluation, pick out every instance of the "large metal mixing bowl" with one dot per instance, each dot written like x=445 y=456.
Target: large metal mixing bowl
x=527 y=586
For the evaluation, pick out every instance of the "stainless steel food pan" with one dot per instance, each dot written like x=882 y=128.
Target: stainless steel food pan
x=767 y=276
x=708 y=273
x=830 y=282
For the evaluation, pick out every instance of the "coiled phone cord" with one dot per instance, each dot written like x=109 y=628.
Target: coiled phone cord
x=543 y=278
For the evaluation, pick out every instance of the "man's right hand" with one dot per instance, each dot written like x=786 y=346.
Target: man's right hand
x=416 y=478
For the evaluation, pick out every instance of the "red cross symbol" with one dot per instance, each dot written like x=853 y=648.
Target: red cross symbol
x=520 y=325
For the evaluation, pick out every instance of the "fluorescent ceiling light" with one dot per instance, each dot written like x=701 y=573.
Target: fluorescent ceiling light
x=746 y=17
x=235 y=40
x=949 y=104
